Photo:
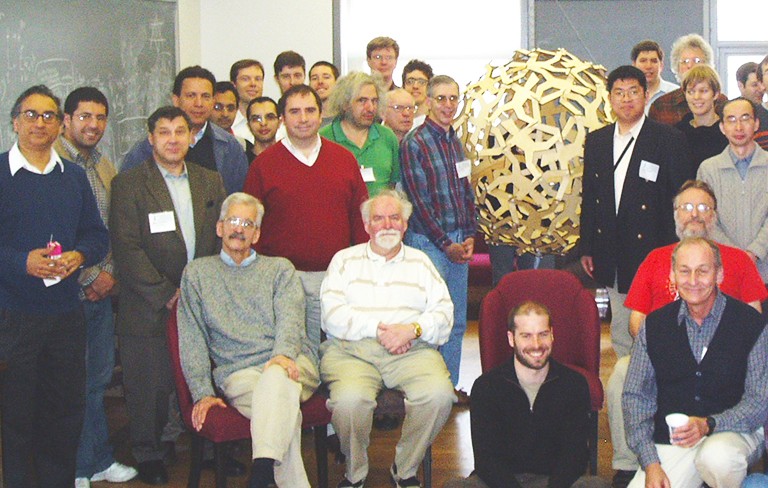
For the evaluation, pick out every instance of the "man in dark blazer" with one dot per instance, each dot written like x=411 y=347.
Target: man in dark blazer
x=632 y=170
x=163 y=215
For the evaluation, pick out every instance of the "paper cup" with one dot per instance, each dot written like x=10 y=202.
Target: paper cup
x=675 y=420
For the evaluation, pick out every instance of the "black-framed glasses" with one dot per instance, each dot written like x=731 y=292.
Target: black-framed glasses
x=263 y=118
x=48 y=117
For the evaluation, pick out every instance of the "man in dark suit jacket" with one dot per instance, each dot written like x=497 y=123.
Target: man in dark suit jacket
x=632 y=170
x=163 y=215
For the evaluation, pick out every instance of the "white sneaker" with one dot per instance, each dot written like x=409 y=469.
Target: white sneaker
x=116 y=473
x=82 y=483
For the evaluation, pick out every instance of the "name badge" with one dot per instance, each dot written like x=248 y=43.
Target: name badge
x=649 y=171
x=464 y=168
x=367 y=174
x=51 y=281
x=161 y=222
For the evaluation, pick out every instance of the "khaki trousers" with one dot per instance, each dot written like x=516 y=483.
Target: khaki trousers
x=271 y=400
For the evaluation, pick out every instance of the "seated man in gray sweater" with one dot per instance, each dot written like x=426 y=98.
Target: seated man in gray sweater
x=244 y=313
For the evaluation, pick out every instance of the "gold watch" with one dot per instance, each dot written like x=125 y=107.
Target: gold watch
x=416 y=330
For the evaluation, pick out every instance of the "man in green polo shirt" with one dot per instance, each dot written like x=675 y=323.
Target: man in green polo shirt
x=355 y=105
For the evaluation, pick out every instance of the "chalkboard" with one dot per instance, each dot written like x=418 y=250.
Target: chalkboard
x=125 y=48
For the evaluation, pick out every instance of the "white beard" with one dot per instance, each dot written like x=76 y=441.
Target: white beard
x=388 y=239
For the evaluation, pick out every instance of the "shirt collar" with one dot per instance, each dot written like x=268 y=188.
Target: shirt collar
x=370 y=254
x=77 y=156
x=716 y=312
x=231 y=262
x=199 y=135
x=17 y=161
x=436 y=127
x=634 y=131
x=309 y=161
x=747 y=159
x=167 y=174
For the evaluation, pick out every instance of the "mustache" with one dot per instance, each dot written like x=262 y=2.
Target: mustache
x=237 y=235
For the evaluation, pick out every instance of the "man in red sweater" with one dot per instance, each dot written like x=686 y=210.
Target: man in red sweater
x=311 y=189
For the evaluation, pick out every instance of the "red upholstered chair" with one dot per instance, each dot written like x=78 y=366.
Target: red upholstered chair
x=575 y=322
x=480 y=265
x=223 y=425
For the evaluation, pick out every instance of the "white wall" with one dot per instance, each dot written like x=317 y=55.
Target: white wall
x=216 y=33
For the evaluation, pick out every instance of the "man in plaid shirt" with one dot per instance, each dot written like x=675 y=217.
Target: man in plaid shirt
x=435 y=175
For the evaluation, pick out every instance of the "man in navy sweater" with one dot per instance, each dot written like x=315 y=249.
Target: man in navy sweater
x=42 y=331
x=704 y=356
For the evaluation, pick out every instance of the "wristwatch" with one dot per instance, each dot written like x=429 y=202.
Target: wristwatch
x=711 y=424
x=416 y=329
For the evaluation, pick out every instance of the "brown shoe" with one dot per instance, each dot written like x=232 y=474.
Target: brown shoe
x=462 y=396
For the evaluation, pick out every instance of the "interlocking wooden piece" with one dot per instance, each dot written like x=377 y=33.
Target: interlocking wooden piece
x=523 y=126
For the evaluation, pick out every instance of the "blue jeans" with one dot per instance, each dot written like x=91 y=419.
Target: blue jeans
x=456 y=276
x=756 y=480
x=94 y=453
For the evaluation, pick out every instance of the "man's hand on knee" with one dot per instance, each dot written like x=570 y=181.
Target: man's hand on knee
x=288 y=364
x=200 y=410
x=655 y=477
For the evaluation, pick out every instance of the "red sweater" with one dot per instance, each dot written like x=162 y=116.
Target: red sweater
x=311 y=212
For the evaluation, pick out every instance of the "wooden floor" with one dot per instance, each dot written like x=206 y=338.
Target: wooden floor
x=452 y=451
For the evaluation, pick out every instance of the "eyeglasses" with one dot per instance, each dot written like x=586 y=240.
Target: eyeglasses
x=632 y=93
x=688 y=207
x=415 y=81
x=240 y=222
x=32 y=116
x=385 y=57
x=220 y=106
x=691 y=61
x=402 y=108
x=444 y=98
x=262 y=118
x=86 y=117
x=733 y=120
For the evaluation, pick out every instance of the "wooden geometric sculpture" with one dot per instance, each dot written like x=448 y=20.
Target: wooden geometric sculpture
x=523 y=127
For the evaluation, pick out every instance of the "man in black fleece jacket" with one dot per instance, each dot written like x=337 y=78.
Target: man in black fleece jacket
x=529 y=416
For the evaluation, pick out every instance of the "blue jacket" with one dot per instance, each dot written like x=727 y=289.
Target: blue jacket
x=231 y=162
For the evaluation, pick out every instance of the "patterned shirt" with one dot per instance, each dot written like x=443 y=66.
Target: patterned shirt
x=639 y=401
x=88 y=163
x=671 y=107
x=442 y=201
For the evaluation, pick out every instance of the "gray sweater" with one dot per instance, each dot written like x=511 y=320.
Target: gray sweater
x=231 y=318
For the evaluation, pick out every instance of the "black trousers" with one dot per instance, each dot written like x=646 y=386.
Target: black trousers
x=43 y=396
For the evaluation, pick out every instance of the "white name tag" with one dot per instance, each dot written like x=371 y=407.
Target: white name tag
x=649 y=171
x=161 y=222
x=464 y=168
x=51 y=281
x=367 y=174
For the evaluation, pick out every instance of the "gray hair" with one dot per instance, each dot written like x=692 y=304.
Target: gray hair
x=406 y=207
x=439 y=80
x=348 y=88
x=241 y=198
x=690 y=41
x=701 y=241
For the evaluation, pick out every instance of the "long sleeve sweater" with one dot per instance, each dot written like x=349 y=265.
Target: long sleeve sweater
x=33 y=208
x=234 y=317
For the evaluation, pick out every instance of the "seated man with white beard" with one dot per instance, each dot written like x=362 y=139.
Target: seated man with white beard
x=385 y=310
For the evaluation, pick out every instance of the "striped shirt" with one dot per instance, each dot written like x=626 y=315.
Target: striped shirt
x=442 y=202
x=362 y=289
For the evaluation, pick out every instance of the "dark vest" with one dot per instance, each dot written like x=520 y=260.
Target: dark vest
x=202 y=153
x=699 y=389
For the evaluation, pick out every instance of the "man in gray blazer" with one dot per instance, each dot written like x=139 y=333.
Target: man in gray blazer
x=163 y=215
